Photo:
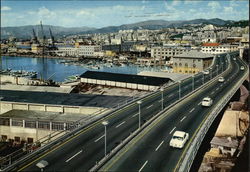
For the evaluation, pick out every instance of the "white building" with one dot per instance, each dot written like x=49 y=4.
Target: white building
x=82 y=50
x=164 y=53
x=218 y=49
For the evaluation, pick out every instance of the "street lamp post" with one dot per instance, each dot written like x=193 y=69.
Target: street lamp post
x=139 y=103
x=105 y=123
x=179 y=89
x=162 y=98
x=193 y=82
x=211 y=73
x=217 y=69
x=203 y=78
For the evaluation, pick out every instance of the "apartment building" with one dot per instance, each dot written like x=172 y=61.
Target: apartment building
x=166 y=53
x=216 y=48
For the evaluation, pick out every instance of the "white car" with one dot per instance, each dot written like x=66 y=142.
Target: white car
x=207 y=101
x=234 y=58
x=242 y=68
x=221 y=79
x=179 y=139
x=206 y=72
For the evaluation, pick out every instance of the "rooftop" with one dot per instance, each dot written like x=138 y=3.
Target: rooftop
x=43 y=116
x=127 y=78
x=193 y=54
x=72 y=99
x=211 y=44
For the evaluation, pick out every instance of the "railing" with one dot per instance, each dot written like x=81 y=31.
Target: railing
x=187 y=160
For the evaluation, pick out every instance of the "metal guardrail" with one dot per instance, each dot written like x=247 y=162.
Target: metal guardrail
x=187 y=161
x=76 y=128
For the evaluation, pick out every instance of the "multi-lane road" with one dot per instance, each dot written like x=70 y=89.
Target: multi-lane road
x=82 y=151
x=150 y=151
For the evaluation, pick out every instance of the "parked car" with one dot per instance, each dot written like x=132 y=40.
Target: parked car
x=242 y=68
x=221 y=79
x=207 y=101
x=206 y=72
x=179 y=139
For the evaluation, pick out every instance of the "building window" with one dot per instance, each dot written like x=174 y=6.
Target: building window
x=180 y=64
x=186 y=65
x=30 y=140
x=4 y=138
x=17 y=139
x=194 y=65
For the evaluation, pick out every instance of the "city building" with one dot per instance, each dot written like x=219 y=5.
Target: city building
x=191 y=62
x=36 y=49
x=79 y=50
x=167 y=52
x=216 y=48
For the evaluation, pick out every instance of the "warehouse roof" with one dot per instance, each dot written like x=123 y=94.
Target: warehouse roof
x=194 y=54
x=72 y=99
x=127 y=78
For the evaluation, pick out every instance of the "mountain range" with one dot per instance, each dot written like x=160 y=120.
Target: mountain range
x=25 y=32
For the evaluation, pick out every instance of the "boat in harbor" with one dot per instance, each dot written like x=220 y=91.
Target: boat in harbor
x=72 y=78
x=19 y=73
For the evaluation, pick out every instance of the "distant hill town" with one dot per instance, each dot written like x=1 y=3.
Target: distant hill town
x=25 y=32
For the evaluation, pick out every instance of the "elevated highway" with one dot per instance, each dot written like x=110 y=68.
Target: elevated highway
x=150 y=150
x=83 y=148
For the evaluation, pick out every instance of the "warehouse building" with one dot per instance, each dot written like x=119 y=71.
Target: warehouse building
x=124 y=80
x=191 y=62
x=30 y=126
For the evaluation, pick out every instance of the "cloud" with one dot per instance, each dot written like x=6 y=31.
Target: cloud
x=228 y=9
x=45 y=12
x=175 y=2
x=214 y=5
x=5 y=8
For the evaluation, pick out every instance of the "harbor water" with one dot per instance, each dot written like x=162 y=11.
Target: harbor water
x=51 y=68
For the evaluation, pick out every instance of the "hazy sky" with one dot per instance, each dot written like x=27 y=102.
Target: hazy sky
x=112 y=13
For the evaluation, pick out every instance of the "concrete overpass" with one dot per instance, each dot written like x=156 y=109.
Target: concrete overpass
x=86 y=144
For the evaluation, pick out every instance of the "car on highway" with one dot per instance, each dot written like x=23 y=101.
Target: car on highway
x=206 y=72
x=207 y=101
x=242 y=68
x=234 y=58
x=179 y=139
x=221 y=79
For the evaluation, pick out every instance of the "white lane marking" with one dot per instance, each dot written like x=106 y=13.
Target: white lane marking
x=149 y=106
x=170 y=95
x=120 y=124
x=199 y=103
x=159 y=101
x=73 y=156
x=183 y=118
x=99 y=138
x=143 y=166
x=159 y=146
x=197 y=81
x=172 y=130
x=135 y=115
x=192 y=110
x=212 y=92
x=217 y=88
